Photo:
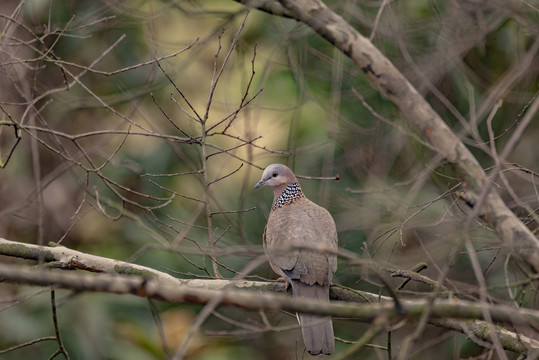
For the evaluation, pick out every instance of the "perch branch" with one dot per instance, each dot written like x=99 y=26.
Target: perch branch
x=118 y=277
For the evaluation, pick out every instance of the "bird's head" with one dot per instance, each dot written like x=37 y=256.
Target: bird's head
x=277 y=177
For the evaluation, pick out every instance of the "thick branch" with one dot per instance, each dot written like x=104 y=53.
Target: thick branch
x=147 y=282
x=511 y=231
x=173 y=290
x=69 y=259
x=479 y=329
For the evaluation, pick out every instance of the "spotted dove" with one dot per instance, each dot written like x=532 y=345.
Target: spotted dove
x=300 y=241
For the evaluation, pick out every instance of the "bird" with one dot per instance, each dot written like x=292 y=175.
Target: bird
x=300 y=242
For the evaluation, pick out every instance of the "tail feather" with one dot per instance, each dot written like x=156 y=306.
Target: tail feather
x=317 y=330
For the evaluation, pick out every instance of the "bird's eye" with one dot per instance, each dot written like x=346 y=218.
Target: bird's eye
x=274 y=174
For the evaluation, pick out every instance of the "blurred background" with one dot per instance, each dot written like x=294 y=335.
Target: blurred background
x=153 y=162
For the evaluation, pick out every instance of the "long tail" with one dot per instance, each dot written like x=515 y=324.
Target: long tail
x=317 y=330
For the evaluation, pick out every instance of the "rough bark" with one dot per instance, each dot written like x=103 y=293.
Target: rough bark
x=118 y=277
x=417 y=111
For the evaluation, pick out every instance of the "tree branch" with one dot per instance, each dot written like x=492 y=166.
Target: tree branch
x=175 y=290
x=392 y=84
x=118 y=277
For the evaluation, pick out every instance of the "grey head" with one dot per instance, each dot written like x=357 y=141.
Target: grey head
x=276 y=176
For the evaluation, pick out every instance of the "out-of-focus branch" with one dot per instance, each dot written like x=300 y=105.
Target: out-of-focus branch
x=118 y=277
x=392 y=84
x=478 y=330
x=174 y=290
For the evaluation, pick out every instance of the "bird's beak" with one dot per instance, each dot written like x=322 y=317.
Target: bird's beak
x=260 y=183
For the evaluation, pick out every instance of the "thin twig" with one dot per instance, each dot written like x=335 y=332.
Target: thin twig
x=61 y=348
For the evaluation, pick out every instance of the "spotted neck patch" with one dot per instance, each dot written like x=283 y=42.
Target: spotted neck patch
x=290 y=194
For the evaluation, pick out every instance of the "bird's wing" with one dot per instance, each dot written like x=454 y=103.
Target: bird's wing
x=300 y=241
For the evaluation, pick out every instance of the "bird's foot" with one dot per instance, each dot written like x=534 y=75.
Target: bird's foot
x=285 y=281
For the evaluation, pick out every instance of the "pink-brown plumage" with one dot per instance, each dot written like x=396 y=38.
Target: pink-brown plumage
x=300 y=241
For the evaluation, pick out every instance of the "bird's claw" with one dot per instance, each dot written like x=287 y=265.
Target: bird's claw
x=285 y=281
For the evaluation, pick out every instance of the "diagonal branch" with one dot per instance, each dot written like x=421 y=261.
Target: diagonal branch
x=393 y=85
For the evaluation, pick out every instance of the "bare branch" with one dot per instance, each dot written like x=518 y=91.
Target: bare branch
x=146 y=282
x=392 y=84
x=175 y=290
